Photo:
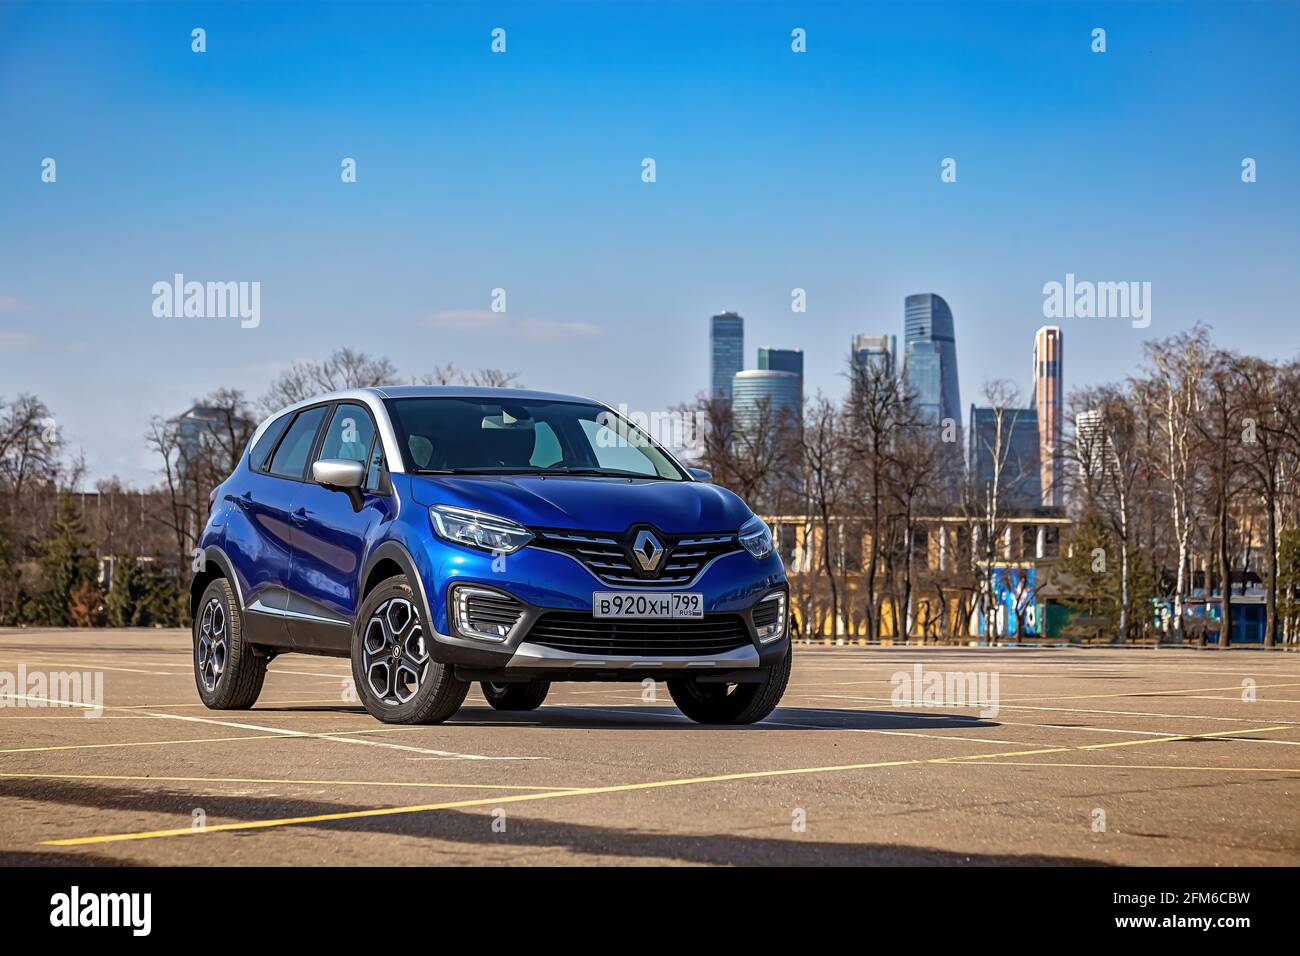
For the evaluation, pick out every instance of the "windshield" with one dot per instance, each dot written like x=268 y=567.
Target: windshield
x=523 y=436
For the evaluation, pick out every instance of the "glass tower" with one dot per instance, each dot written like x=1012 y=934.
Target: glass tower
x=762 y=397
x=1016 y=450
x=930 y=355
x=726 y=352
x=782 y=360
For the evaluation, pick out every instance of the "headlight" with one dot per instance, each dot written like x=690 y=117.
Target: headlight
x=479 y=530
x=756 y=537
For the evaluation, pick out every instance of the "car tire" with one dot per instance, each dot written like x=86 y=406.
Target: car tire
x=707 y=703
x=527 y=695
x=397 y=679
x=227 y=673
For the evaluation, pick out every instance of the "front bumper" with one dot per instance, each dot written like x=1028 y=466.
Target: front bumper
x=544 y=581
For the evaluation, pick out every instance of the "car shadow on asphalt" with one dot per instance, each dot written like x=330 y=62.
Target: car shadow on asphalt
x=644 y=717
x=475 y=830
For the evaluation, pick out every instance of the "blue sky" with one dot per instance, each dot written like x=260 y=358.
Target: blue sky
x=523 y=171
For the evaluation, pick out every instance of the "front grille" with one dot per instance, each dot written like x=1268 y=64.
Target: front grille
x=609 y=556
x=581 y=633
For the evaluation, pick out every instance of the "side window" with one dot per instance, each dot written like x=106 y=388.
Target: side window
x=290 y=459
x=350 y=435
x=546 y=448
x=614 y=450
x=262 y=450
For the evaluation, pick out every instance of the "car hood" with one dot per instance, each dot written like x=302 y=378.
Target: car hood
x=589 y=504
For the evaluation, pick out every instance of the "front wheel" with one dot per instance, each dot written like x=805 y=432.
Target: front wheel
x=520 y=696
x=397 y=679
x=731 y=703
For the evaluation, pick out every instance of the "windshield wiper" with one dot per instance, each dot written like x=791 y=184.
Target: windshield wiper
x=598 y=472
x=483 y=470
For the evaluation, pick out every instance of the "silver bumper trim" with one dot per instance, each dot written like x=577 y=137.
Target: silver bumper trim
x=535 y=655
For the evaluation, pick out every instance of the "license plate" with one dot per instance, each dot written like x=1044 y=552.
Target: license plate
x=665 y=606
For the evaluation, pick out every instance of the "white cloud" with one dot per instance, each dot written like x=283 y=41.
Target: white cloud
x=11 y=303
x=12 y=341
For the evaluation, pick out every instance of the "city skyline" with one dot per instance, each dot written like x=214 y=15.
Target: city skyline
x=527 y=177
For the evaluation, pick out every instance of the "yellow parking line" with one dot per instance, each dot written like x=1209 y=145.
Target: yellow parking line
x=591 y=791
x=614 y=788
x=1161 y=740
x=1146 y=741
x=282 y=781
x=457 y=804
x=1155 y=692
x=1133 y=766
x=202 y=740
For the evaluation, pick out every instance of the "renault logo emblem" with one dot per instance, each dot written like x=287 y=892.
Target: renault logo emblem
x=647 y=550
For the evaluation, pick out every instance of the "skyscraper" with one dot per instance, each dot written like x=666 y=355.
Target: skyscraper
x=1011 y=455
x=930 y=355
x=782 y=360
x=762 y=397
x=1048 y=402
x=726 y=350
x=874 y=350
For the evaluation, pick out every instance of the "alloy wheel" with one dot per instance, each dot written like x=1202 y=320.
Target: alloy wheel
x=214 y=647
x=395 y=656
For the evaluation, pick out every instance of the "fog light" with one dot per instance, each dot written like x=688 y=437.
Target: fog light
x=769 y=618
x=486 y=615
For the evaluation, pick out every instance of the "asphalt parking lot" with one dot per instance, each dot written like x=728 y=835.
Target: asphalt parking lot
x=1097 y=756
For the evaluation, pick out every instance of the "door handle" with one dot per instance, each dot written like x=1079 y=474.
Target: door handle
x=299 y=517
x=246 y=499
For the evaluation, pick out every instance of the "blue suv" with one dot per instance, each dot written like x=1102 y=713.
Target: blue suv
x=440 y=536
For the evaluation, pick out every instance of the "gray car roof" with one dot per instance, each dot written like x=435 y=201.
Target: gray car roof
x=472 y=391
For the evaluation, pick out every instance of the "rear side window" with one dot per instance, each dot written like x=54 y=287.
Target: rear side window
x=290 y=459
x=262 y=450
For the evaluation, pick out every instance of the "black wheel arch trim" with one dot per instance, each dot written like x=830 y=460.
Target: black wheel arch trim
x=396 y=552
x=213 y=554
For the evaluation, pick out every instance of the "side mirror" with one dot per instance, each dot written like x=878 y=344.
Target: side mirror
x=339 y=474
x=699 y=474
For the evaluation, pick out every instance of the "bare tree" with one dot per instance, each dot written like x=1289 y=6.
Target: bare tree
x=917 y=460
x=874 y=416
x=1178 y=367
x=1220 y=428
x=1110 y=457
x=994 y=489
x=198 y=451
x=1267 y=398
x=449 y=374
x=345 y=368
x=824 y=460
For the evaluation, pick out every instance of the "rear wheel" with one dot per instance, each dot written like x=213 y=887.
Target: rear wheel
x=396 y=678
x=227 y=673
x=731 y=703
x=526 y=695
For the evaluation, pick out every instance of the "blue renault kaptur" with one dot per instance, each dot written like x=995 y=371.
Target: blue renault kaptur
x=441 y=536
